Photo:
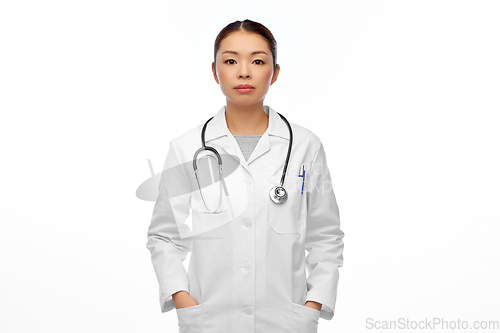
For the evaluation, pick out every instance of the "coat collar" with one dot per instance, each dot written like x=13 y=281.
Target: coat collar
x=217 y=130
x=217 y=127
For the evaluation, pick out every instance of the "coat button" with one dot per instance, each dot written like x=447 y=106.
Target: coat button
x=248 y=311
x=248 y=180
x=247 y=267
x=248 y=224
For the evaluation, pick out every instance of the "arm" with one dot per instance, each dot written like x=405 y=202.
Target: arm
x=168 y=249
x=323 y=239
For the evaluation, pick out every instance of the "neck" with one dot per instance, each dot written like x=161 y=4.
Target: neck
x=246 y=120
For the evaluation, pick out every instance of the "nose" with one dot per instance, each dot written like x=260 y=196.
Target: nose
x=244 y=72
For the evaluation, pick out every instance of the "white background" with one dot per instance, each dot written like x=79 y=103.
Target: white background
x=403 y=94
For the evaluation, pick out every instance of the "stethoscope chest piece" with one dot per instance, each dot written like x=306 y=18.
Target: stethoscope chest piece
x=278 y=194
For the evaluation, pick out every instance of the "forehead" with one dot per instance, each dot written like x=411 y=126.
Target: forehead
x=243 y=43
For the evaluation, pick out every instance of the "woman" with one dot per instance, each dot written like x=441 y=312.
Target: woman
x=247 y=270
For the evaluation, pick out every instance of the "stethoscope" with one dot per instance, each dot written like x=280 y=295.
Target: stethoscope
x=277 y=193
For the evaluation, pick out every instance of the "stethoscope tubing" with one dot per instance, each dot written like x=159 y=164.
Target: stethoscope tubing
x=278 y=193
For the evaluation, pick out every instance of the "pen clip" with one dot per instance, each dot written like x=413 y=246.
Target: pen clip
x=302 y=171
x=303 y=175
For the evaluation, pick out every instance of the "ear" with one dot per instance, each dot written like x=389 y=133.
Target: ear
x=275 y=74
x=214 y=73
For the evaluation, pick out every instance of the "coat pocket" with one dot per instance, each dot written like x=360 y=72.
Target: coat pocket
x=305 y=319
x=290 y=217
x=189 y=319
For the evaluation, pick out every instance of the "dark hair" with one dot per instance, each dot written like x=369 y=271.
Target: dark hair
x=250 y=26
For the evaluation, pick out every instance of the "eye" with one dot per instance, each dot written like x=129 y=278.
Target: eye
x=260 y=61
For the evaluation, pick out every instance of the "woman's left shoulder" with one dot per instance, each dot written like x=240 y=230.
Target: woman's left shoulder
x=301 y=133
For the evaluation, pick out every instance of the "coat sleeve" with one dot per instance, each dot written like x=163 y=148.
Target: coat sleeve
x=323 y=240
x=168 y=249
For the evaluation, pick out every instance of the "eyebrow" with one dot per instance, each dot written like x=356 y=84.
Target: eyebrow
x=254 y=52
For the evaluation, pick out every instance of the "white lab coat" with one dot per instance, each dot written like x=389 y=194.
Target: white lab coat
x=248 y=274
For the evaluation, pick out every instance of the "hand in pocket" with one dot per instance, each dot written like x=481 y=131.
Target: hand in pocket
x=182 y=299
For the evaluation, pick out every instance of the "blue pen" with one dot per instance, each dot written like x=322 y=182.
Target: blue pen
x=303 y=178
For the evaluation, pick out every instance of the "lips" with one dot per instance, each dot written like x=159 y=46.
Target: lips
x=244 y=86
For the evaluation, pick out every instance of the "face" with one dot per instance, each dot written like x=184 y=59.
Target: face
x=237 y=65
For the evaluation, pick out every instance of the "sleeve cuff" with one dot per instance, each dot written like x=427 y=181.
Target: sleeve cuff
x=327 y=308
x=166 y=300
